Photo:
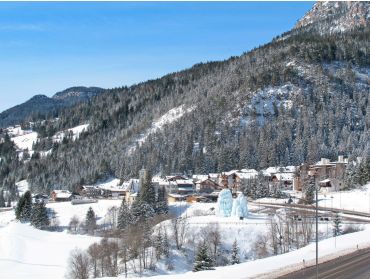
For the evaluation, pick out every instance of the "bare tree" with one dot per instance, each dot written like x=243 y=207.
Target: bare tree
x=73 y=224
x=179 y=228
x=94 y=252
x=78 y=265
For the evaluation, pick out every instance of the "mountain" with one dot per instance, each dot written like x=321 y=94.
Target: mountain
x=333 y=17
x=41 y=106
x=303 y=96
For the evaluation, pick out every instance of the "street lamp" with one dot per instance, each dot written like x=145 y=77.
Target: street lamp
x=313 y=173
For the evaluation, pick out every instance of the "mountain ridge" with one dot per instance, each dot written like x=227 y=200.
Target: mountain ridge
x=42 y=106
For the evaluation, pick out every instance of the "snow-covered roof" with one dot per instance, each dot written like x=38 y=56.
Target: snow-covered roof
x=200 y=177
x=231 y=172
x=184 y=182
x=325 y=181
x=249 y=175
x=62 y=193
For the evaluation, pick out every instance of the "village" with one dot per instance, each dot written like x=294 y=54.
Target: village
x=328 y=175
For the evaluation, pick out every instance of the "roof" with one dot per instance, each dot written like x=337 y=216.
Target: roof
x=325 y=181
x=62 y=193
x=184 y=182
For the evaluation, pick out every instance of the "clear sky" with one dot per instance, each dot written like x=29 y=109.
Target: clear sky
x=46 y=47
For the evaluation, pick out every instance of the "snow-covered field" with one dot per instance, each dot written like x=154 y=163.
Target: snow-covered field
x=75 y=131
x=65 y=210
x=25 y=141
x=26 y=252
x=356 y=200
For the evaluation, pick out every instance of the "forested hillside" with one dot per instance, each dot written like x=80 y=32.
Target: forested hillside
x=303 y=96
x=42 y=107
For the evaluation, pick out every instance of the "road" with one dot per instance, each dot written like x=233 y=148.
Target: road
x=361 y=216
x=352 y=266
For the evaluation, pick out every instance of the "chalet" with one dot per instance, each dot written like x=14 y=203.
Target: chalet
x=61 y=195
x=282 y=178
x=184 y=186
x=91 y=191
x=328 y=174
x=207 y=186
x=174 y=197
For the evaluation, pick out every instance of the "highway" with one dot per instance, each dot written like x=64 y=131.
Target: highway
x=352 y=266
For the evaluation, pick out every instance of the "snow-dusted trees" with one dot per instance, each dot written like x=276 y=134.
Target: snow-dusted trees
x=124 y=216
x=2 y=199
x=202 y=260
x=78 y=265
x=73 y=224
x=235 y=259
x=90 y=221
x=23 y=209
x=179 y=229
x=337 y=225
x=39 y=216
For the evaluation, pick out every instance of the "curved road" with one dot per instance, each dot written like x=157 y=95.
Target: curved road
x=352 y=266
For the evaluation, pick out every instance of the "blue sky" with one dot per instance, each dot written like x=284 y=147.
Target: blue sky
x=47 y=47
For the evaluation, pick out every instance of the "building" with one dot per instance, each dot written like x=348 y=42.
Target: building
x=131 y=189
x=61 y=195
x=328 y=174
x=207 y=186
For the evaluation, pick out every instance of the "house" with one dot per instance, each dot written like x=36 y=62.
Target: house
x=281 y=178
x=61 y=195
x=183 y=186
x=131 y=189
x=328 y=174
x=40 y=198
x=91 y=191
x=207 y=186
x=174 y=197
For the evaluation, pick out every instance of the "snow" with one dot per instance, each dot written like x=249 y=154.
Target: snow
x=26 y=141
x=27 y=252
x=75 y=131
x=355 y=200
x=110 y=184
x=273 y=267
x=240 y=207
x=22 y=186
x=168 y=118
x=65 y=210
x=224 y=203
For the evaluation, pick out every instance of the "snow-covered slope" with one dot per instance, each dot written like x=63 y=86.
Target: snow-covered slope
x=74 y=132
x=169 y=117
x=26 y=252
x=65 y=210
x=274 y=266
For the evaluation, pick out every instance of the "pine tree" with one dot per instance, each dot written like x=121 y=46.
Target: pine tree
x=235 y=253
x=23 y=209
x=124 y=216
x=39 y=216
x=161 y=206
x=147 y=192
x=310 y=188
x=202 y=260
x=337 y=225
x=9 y=203
x=166 y=245
x=90 y=222
x=2 y=199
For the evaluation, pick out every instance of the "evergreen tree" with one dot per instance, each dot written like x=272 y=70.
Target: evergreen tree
x=309 y=190
x=9 y=203
x=24 y=207
x=235 y=253
x=2 y=199
x=202 y=261
x=90 y=221
x=161 y=202
x=166 y=245
x=39 y=216
x=147 y=193
x=124 y=216
x=337 y=225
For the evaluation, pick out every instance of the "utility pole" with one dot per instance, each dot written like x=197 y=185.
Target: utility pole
x=317 y=232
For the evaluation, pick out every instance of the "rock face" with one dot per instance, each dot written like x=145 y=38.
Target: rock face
x=337 y=16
